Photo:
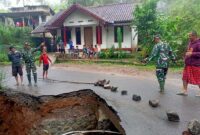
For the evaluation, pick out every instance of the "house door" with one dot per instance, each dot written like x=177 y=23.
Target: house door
x=88 y=36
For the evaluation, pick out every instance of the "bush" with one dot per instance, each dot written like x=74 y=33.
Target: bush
x=3 y=57
x=113 y=54
x=15 y=36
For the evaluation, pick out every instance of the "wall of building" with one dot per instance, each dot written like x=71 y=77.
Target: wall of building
x=127 y=34
x=80 y=19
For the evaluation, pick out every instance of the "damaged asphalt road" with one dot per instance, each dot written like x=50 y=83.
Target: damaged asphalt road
x=137 y=118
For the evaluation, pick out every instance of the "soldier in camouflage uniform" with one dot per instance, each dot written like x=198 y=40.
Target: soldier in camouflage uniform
x=28 y=56
x=163 y=53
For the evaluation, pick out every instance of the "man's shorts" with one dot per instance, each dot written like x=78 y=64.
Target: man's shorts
x=17 y=70
x=45 y=67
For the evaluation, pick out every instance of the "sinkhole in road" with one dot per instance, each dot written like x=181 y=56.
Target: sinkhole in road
x=80 y=112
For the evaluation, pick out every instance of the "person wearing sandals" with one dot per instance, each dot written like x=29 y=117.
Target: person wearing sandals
x=191 y=72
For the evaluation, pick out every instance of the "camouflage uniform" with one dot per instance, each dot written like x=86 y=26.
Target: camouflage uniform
x=163 y=53
x=28 y=56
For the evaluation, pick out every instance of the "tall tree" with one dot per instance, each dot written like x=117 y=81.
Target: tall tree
x=145 y=17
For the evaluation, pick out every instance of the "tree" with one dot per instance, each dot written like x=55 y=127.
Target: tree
x=145 y=18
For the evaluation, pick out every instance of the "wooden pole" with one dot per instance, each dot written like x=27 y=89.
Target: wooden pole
x=65 y=35
x=98 y=35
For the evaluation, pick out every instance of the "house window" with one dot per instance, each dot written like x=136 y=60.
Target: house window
x=99 y=34
x=78 y=36
x=115 y=33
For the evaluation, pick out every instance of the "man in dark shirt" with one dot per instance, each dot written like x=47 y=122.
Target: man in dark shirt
x=191 y=72
x=16 y=58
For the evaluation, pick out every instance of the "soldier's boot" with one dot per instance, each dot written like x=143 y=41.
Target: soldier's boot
x=29 y=79
x=162 y=85
x=35 y=78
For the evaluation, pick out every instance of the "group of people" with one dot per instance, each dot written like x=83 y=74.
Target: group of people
x=27 y=58
x=90 y=52
x=163 y=53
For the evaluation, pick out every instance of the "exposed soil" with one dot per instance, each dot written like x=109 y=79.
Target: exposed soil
x=23 y=114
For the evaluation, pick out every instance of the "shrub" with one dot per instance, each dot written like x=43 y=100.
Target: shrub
x=113 y=54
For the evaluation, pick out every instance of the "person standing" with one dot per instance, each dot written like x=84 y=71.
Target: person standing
x=61 y=47
x=16 y=58
x=71 y=47
x=45 y=59
x=191 y=72
x=96 y=51
x=28 y=56
x=163 y=53
x=85 y=52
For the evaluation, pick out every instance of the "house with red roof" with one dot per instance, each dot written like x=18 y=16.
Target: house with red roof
x=93 y=25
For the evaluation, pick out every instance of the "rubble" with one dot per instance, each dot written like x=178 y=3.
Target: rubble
x=154 y=103
x=114 y=89
x=136 y=98
x=124 y=92
x=173 y=116
x=107 y=86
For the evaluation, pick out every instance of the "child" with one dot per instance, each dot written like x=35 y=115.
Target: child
x=96 y=52
x=45 y=58
x=91 y=51
x=76 y=53
x=85 y=51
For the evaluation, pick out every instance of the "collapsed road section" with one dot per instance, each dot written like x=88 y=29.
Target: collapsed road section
x=79 y=112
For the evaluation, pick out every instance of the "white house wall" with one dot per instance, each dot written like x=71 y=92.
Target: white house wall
x=104 y=38
x=126 y=35
x=79 y=19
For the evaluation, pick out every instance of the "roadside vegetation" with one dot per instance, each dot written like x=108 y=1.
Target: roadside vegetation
x=172 y=19
x=15 y=36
